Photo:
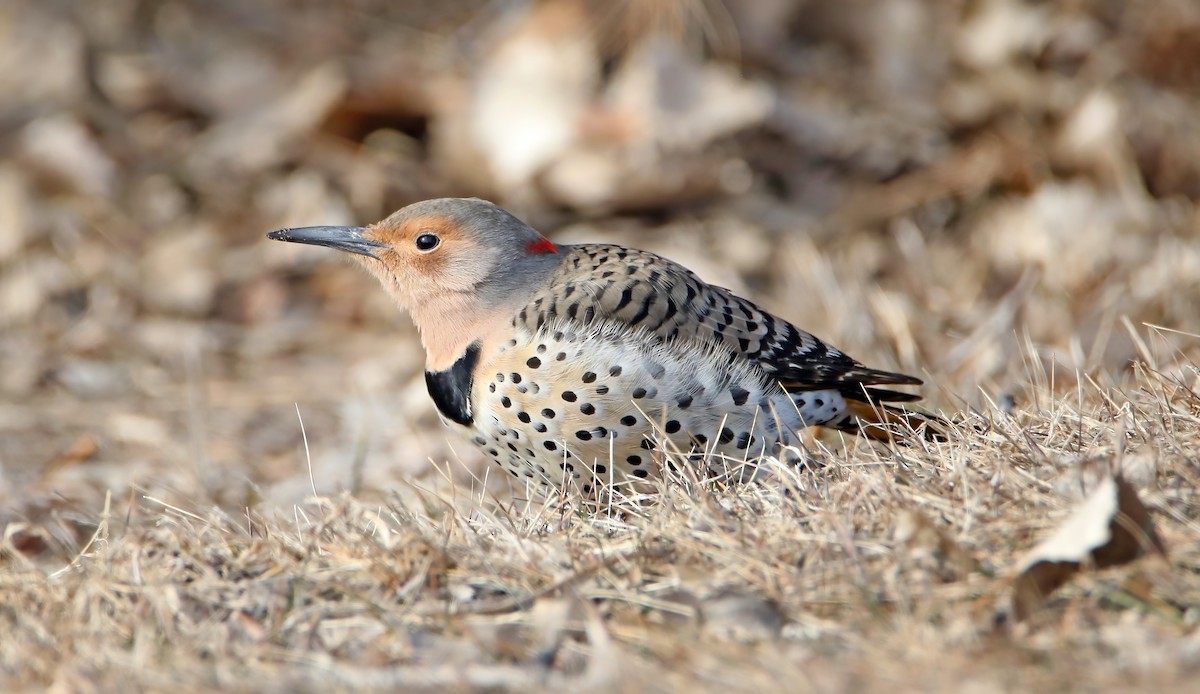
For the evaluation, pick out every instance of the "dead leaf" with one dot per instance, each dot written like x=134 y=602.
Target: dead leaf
x=1110 y=528
x=79 y=451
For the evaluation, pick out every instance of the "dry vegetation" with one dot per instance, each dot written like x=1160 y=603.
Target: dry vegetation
x=996 y=194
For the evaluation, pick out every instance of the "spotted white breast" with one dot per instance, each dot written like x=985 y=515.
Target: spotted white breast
x=604 y=404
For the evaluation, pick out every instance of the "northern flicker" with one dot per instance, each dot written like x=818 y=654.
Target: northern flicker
x=590 y=365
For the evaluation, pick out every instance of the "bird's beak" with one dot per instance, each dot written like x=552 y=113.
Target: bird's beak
x=349 y=239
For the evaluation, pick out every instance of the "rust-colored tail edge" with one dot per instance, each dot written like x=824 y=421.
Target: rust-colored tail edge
x=880 y=422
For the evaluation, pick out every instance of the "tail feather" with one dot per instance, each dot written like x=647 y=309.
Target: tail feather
x=868 y=394
x=881 y=422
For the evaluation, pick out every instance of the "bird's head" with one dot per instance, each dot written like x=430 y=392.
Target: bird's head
x=452 y=252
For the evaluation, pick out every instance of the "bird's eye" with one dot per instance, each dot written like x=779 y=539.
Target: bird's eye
x=427 y=242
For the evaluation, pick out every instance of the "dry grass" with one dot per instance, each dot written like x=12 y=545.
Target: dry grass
x=888 y=568
x=999 y=196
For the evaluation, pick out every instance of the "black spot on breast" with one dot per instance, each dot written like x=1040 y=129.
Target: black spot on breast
x=601 y=390
x=548 y=413
x=726 y=435
x=506 y=401
x=539 y=428
x=550 y=446
x=684 y=402
x=561 y=356
x=524 y=417
x=480 y=441
x=819 y=402
x=638 y=393
x=672 y=426
x=583 y=435
x=516 y=377
x=614 y=371
x=589 y=377
x=569 y=396
x=641 y=473
x=533 y=362
x=451 y=389
x=512 y=447
x=656 y=370
x=587 y=408
x=743 y=440
x=634 y=460
x=629 y=420
x=647 y=445
x=601 y=469
x=739 y=395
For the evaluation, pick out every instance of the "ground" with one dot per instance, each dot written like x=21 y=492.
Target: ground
x=219 y=467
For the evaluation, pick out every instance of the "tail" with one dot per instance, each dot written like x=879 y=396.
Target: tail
x=873 y=418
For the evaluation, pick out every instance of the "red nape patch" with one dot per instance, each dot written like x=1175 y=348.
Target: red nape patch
x=541 y=246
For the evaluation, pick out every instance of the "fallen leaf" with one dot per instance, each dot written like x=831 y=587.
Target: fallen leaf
x=79 y=451
x=1110 y=528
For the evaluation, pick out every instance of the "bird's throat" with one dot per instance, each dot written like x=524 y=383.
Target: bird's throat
x=449 y=327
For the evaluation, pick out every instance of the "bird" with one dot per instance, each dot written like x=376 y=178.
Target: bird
x=591 y=368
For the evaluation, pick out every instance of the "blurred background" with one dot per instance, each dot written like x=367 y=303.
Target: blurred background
x=988 y=193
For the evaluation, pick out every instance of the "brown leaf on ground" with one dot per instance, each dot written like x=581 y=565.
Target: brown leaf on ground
x=79 y=451
x=1110 y=528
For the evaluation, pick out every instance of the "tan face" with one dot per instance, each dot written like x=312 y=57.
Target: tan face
x=425 y=257
x=443 y=259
